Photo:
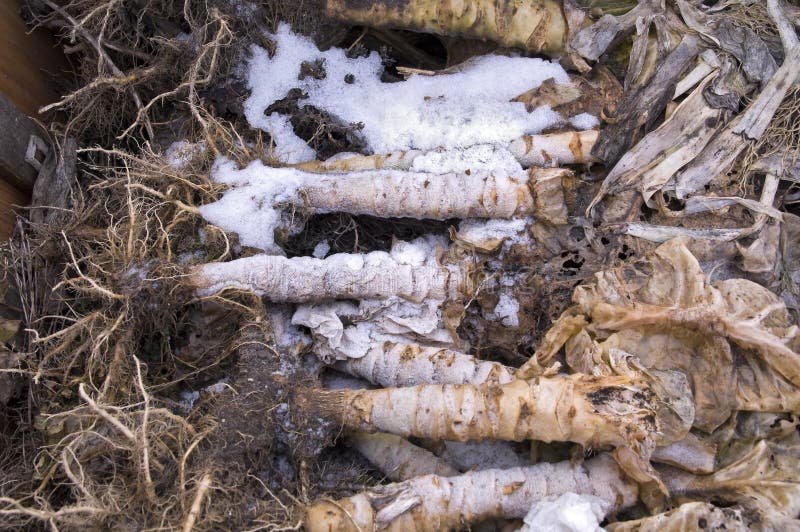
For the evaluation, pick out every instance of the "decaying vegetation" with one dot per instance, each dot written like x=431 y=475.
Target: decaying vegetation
x=611 y=315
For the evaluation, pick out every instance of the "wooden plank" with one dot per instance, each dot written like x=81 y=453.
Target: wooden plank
x=10 y=197
x=30 y=63
x=15 y=133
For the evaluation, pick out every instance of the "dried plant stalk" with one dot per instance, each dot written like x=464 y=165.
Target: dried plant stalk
x=374 y=275
x=533 y=26
x=433 y=502
x=721 y=152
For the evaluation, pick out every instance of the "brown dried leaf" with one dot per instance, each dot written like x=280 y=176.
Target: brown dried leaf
x=764 y=480
x=666 y=313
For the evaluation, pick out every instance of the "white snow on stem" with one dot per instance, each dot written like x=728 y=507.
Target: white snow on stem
x=480 y=156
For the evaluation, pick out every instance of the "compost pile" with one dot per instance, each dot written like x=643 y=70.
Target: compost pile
x=409 y=265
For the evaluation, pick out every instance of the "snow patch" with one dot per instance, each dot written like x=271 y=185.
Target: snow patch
x=584 y=121
x=181 y=153
x=248 y=206
x=507 y=310
x=321 y=250
x=459 y=109
x=286 y=147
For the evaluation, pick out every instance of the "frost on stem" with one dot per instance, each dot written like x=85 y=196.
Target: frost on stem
x=591 y=411
x=533 y=26
x=375 y=275
x=433 y=502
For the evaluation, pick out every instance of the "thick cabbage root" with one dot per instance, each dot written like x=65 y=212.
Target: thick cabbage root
x=572 y=147
x=550 y=149
x=374 y=275
x=533 y=26
x=391 y=364
x=397 y=458
x=591 y=411
x=421 y=195
x=437 y=503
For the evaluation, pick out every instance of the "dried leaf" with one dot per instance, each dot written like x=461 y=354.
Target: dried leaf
x=668 y=315
x=593 y=41
x=640 y=108
x=741 y=42
x=654 y=160
x=764 y=480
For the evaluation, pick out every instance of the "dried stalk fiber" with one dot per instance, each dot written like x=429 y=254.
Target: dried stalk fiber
x=591 y=411
x=533 y=26
x=390 y=364
x=650 y=164
x=551 y=149
x=374 y=275
x=432 y=503
x=720 y=154
x=397 y=458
